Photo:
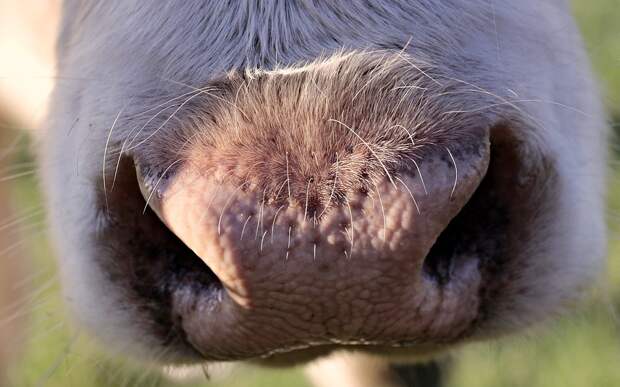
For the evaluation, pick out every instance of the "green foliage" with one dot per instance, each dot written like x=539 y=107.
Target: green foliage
x=599 y=23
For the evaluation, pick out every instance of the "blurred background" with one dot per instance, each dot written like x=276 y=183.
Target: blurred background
x=582 y=349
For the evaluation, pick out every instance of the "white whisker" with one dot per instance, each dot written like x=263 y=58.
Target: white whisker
x=262 y=240
x=273 y=224
x=16 y=176
x=244 y=225
x=382 y=213
x=288 y=178
x=331 y=195
x=389 y=176
x=105 y=153
x=352 y=226
x=148 y=199
x=456 y=173
x=306 y=205
x=259 y=224
x=410 y=194
x=288 y=245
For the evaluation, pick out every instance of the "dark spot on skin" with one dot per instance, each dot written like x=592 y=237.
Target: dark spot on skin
x=364 y=175
x=448 y=160
x=313 y=205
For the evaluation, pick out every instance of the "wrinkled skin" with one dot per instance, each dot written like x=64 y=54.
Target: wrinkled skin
x=280 y=181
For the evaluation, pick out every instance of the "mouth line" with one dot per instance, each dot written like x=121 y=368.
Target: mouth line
x=327 y=345
x=310 y=349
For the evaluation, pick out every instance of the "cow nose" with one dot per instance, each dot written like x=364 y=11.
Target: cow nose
x=316 y=209
x=342 y=267
x=247 y=236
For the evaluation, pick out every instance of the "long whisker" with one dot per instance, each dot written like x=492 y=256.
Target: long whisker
x=273 y=224
x=262 y=240
x=23 y=217
x=408 y=133
x=24 y=311
x=368 y=82
x=163 y=174
x=331 y=195
x=505 y=101
x=288 y=245
x=306 y=205
x=13 y=147
x=244 y=225
x=127 y=143
x=288 y=178
x=456 y=173
x=406 y=59
x=415 y=203
x=233 y=104
x=419 y=174
x=160 y=127
x=105 y=154
x=34 y=233
x=259 y=223
x=16 y=176
x=352 y=226
x=382 y=213
x=369 y=148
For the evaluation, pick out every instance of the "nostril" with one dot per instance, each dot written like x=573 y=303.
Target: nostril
x=483 y=227
x=150 y=261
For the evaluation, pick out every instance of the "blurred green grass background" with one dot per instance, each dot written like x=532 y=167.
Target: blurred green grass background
x=582 y=349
